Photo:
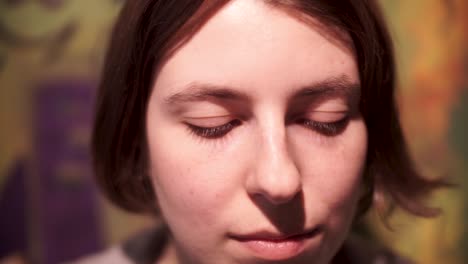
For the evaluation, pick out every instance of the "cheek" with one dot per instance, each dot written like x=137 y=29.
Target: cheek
x=192 y=183
x=180 y=187
x=333 y=171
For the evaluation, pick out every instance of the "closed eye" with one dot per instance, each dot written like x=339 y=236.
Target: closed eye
x=328 y=129
x=214 y=132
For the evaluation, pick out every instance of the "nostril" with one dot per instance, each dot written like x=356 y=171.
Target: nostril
x=265 y=199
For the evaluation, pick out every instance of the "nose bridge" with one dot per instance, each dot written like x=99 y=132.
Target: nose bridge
x=274 y=143
x=275 y=175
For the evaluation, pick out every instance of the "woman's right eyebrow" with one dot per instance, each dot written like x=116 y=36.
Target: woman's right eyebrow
x=196 y=92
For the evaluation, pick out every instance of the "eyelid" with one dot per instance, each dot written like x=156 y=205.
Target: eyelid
x=329 y=129
x=209 y=121
x=326 y=116
x=206 y=117
x=213 y=132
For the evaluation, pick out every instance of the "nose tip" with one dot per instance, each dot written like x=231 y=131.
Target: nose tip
x=276 y=177
x=277 y=193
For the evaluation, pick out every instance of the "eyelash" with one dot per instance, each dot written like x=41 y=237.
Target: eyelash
x=214 y=132
x=328 y=129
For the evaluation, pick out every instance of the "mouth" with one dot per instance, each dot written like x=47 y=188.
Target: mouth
x=276 y=246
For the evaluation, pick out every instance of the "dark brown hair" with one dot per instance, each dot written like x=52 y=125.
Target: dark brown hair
x=148 y=30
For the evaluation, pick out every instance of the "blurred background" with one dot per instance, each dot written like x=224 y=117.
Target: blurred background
x=50 y=57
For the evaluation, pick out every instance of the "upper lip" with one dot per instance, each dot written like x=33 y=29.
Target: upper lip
x=275 y=236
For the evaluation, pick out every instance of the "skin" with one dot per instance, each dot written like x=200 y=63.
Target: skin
x=266 y=72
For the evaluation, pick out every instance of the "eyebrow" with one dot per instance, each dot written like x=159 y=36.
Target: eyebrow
x=331 y=87
x=335 y=87
x=203 y=92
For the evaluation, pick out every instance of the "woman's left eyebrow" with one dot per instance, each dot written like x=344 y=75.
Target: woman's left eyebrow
x=329 y=88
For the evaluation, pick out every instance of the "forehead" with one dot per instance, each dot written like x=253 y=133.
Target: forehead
x=250 y=44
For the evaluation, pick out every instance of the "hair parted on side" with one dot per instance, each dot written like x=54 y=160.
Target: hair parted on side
x=148 y=31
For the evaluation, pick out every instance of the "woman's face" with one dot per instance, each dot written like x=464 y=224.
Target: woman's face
x=256 y=143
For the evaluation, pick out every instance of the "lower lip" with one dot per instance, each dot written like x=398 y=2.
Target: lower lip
x=281 y=249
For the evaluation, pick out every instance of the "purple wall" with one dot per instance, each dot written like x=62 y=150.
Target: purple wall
x=68 y=220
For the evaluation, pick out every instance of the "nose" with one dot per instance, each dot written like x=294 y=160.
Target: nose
x=275 y=176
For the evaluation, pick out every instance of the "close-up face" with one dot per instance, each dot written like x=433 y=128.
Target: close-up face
x=256 y=143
